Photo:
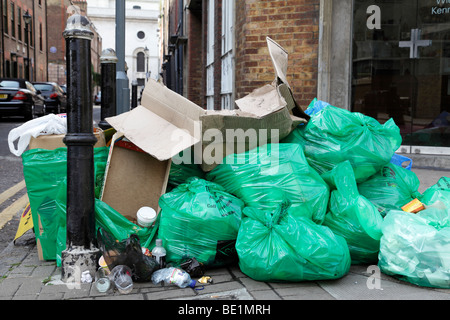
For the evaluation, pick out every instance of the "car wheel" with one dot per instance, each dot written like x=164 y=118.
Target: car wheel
x=30 y=114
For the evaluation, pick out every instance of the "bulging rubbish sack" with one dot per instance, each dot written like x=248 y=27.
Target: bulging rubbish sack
x=352 y=216
x=277 y=246
x=334 y=135
x=415 y=247
x=265 y=176
x=390 y=188
x=200 y=219
x=49 y=124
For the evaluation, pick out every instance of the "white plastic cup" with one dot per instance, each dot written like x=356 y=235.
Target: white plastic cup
x=146 y=216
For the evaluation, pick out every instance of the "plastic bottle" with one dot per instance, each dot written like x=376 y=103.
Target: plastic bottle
x=173 y=276
x=159 y=253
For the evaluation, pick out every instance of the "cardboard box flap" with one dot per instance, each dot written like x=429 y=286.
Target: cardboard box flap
x=279 y=59
x=152 y=133
x=262 y=101
x=172 y=107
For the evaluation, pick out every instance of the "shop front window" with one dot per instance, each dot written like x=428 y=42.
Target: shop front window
x=401 y=67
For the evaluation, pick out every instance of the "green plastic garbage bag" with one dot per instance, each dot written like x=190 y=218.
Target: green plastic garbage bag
x=200 y=220
x=437 y=192
x=352 y=216
x=108 y=219
x=180 y=171
x=277 y=246
x=391 y=188
x=334 y=135
x=265 y=176
x=416 y=247
x=43 y=171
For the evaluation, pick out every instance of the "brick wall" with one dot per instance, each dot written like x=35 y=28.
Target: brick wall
x=294 y=24
x=194 y=70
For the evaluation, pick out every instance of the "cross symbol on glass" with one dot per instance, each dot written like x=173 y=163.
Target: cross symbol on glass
x=414 y=43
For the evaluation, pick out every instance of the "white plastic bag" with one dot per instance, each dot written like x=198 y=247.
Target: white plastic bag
x=49 y=124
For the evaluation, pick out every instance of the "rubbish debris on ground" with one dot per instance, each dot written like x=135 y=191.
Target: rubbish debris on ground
x=102 y=281
x=172 y=200
x=121 y=276
x=174 y=276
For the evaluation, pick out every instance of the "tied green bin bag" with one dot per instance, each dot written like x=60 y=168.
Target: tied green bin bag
x=200 y=220
x=437 y=192
x=267 y=175
x=276 y=246
x=334 y=135
x=416 y=247
x=43 y=171
x=390 y=188
x=352 y=215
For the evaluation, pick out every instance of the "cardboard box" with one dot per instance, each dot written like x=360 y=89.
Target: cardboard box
x=167 y=123
x=54 y=141
x=133 y=178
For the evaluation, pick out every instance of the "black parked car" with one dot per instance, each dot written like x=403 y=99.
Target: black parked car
x=55 y=97
x=19 y=97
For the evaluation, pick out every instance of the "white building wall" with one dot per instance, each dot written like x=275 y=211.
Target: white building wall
x=146 y=19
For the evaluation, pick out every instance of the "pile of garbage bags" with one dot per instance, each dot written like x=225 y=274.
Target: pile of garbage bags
x=327 y=196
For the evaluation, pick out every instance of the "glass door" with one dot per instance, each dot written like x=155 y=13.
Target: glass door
x=401 y=68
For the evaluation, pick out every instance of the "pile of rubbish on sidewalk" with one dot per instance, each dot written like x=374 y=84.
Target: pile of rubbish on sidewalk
x=294 y=196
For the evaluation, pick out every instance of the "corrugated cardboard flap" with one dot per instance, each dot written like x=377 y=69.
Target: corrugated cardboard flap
x=152 y=133
x=164 y=125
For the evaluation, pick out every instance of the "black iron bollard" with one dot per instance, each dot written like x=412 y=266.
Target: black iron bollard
x=81 y=254
x=108 y=62
x=134 y=94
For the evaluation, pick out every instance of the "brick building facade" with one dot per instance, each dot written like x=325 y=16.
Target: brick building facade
x=58 y=13
x=46 y=48
x=292 y=23
x=14 y=39
x=385 y=59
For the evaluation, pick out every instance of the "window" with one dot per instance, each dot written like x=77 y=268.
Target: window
x=41 y=38
x=19 y=24
x=141 y=34
x=140 y=62
x=30 y=33
x=13 y=22
x=5 y=16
